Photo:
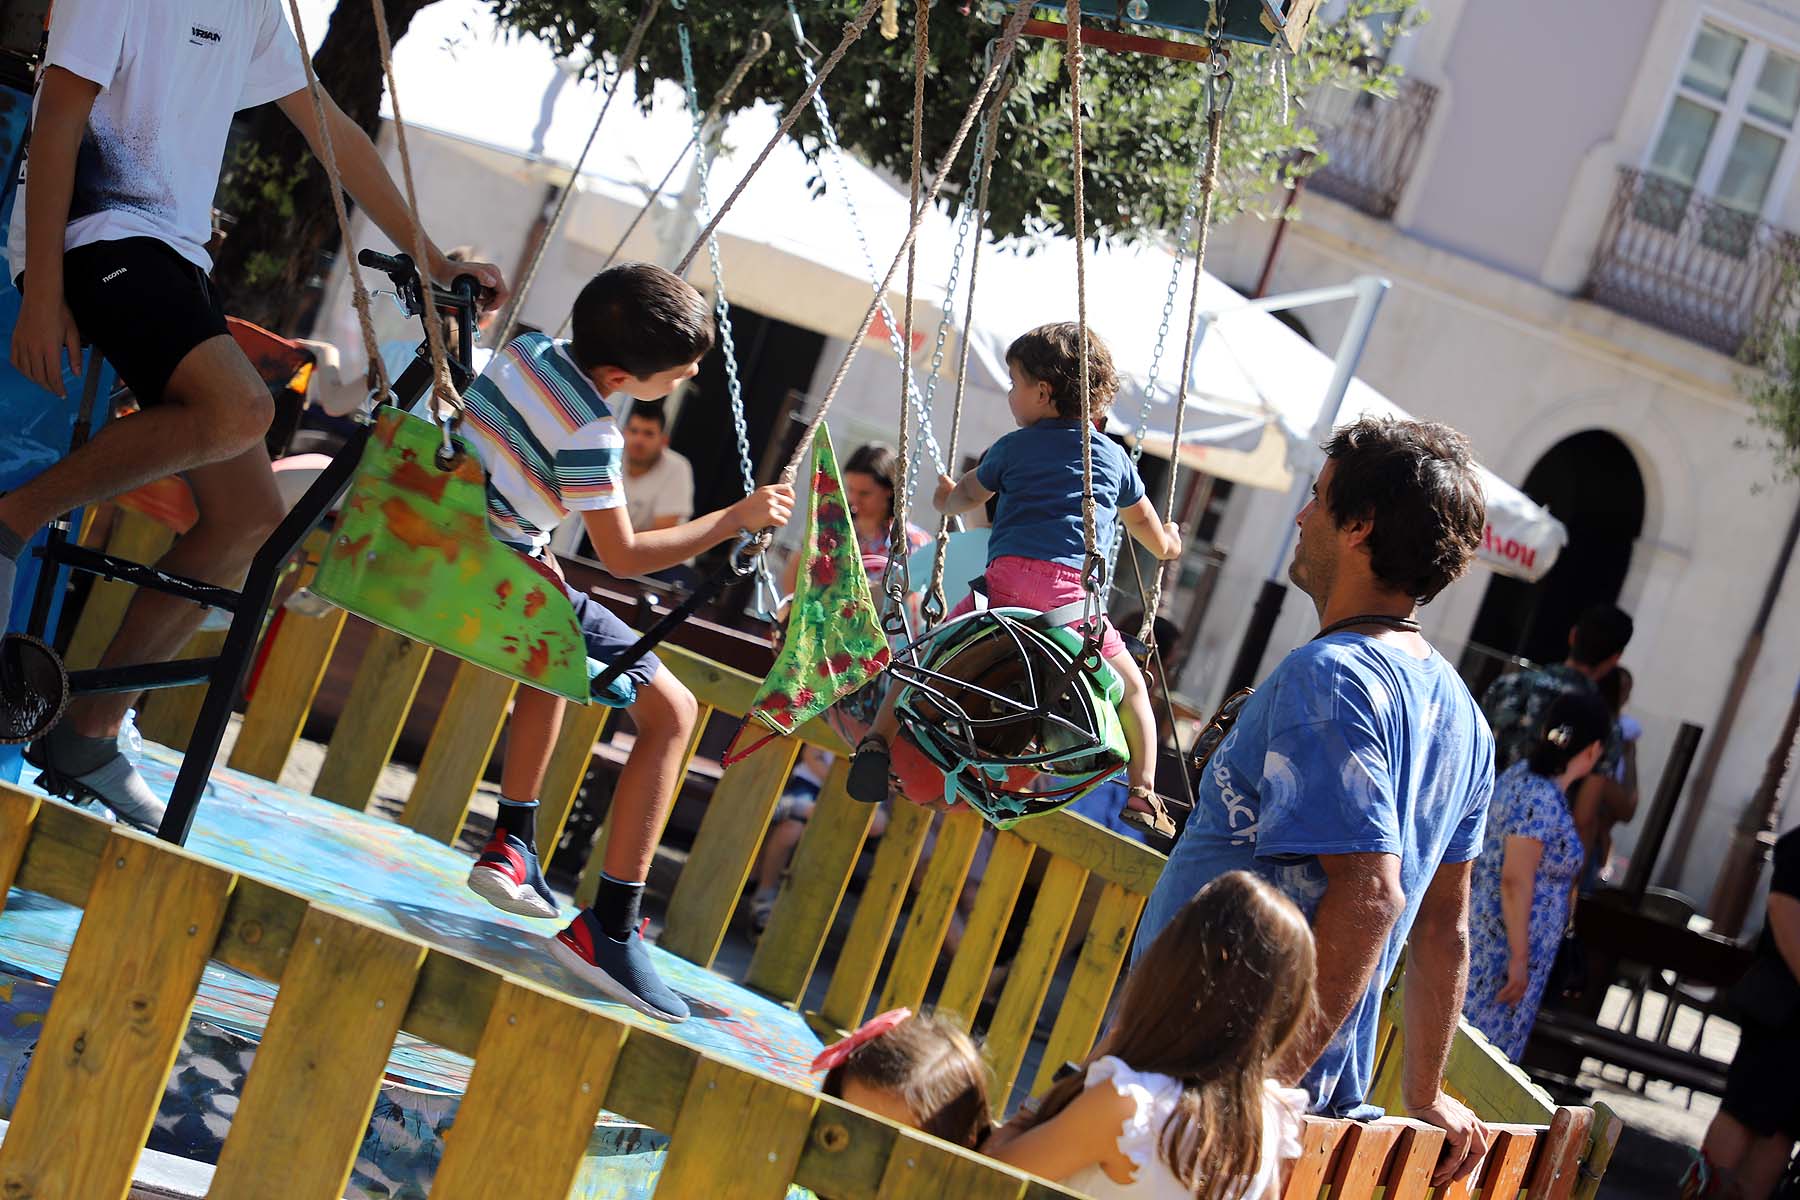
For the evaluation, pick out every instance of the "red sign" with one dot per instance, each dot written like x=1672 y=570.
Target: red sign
x=1507 y=549
x=882 y=331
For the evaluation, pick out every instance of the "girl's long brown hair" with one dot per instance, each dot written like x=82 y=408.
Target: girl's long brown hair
x=1211 y=1003
x=935 y=1069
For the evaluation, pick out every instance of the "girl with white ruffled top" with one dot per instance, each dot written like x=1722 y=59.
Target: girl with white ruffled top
x=1176 y=1101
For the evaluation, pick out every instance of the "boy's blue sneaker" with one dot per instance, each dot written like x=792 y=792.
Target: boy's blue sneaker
x=620 y=970
x=507 y=877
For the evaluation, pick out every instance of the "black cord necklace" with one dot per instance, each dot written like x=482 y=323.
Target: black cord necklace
x=1398 y=624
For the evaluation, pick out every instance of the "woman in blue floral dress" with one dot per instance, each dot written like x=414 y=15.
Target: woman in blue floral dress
x=1526 y=875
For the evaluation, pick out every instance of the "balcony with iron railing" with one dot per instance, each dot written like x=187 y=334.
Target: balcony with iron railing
x=1683 y=261
x=1370 y=143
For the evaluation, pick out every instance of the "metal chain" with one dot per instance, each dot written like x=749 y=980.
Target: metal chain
x=834 y=156
x=721 y=306
x=895 y=583
x=1093 y=571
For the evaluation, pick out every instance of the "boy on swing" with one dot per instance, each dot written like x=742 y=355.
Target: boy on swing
x=539 y=421
x=1036 y=549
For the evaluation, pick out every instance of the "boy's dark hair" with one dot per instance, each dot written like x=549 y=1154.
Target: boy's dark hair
x=1049 y=354
x=1601 y=632
x=934 y=1068
x=1574 y=721
x=641 y=319
x=649 y=410
x=1416 y=481
x=1614 y=688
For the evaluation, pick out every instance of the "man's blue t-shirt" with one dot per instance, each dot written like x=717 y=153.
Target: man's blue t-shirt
x=1037 y=473
x=1351 y=746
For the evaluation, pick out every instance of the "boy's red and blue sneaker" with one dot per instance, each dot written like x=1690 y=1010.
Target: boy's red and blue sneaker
x=507 y=877
x=620 y=970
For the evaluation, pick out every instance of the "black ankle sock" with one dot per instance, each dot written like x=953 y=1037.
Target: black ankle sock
x=617 y=905
x=519 y=818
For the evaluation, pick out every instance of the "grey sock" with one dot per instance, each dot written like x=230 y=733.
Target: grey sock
x=75 y=753
x=11 y=544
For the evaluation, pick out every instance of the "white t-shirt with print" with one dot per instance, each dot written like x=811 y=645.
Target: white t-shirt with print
x=1154 y=1098
x=665 y=490
x=171 y=73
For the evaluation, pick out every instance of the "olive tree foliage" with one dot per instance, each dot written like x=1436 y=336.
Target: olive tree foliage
x=1143 y=117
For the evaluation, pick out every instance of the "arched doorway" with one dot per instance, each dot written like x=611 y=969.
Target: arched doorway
x=1590 y=482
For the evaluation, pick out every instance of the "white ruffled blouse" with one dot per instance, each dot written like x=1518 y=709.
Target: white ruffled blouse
x=1154 y=1098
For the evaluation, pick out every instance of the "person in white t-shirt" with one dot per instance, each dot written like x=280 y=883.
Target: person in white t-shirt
x=659 y=483
x=108 y=245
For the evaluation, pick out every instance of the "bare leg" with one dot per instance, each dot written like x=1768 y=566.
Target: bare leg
x=1763 y=1165
x=530 y=737
x=664 y=714
x=1726 y=1149
x=1138 y=722
x=215 y=408
x=777 y=852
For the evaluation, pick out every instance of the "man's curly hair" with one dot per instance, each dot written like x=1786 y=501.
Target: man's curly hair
x=1049 y=354
x=1416 y=481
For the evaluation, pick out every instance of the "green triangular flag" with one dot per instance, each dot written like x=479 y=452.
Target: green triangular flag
x=834 y=643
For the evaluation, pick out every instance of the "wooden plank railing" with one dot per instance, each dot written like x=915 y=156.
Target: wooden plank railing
x=1064 y=855
x=155 y=914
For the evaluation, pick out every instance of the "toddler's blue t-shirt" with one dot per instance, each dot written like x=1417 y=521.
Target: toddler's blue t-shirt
x=1036 y=472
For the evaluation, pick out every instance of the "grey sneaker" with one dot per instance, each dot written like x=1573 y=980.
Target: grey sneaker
x=79 y=768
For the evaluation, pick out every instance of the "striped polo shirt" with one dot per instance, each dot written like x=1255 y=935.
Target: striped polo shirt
x=547 y=438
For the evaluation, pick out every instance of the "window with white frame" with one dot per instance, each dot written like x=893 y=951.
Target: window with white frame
x=1728 y=135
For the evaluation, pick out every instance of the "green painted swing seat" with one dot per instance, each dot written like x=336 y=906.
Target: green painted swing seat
x=412 y=552
x=979 y=698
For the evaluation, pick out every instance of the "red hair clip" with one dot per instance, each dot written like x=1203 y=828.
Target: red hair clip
x=835 y=1054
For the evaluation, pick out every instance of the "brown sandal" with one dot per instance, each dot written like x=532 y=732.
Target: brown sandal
x=1156 y=821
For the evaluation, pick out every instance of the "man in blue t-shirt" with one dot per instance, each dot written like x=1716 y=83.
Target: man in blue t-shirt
x=1356 y=778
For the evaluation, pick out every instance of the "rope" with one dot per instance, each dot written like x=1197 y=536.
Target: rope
x=1220 y=88
x=936 y=602
x=852 y=31
x=359 y=293
x=1009 y=39
x=434 y=330
x=895 y=581
x=625 y=63
x=1094 y=567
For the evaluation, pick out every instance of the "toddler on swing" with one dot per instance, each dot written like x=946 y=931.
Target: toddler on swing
x=1036 y=549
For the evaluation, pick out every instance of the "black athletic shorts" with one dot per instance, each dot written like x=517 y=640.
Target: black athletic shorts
x=143 y=305
x=1760 y=1086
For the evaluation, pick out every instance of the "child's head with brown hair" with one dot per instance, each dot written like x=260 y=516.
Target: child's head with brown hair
x=1212 y=1003
x=914 y=1069
x=1049 y=358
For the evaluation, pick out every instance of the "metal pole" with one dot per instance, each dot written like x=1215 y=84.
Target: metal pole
x=1728 y=709
x=1369 y=291
x=1756 y=833
x=1656 y=823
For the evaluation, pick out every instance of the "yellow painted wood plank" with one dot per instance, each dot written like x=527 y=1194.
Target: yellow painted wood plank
x=853 y=976
x=342 y=996
x=134 y=537
x=1119 y=860
x=789 y=949
x=1603 y=1141
x=925 y=1169
x=731 y=691
x=995 y=900
x=928 y=918
x=569 y=763
x=290 y=677
x=115 y=1023
x=541 y=1071
x=589 y=884
x=725 y=850
x=374 y=713
x=738 y=1135
x=1028 y=980
x=1091 y=985
x=1494 y=1087
x=167 y=715
x=18 y=810
x=461 y=742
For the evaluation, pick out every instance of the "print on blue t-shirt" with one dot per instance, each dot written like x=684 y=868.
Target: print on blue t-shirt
x=1037 y=473
x=1351 y=746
